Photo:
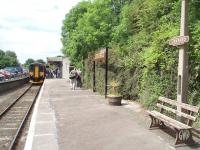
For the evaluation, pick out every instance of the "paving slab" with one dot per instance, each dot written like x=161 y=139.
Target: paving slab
x=82 y=120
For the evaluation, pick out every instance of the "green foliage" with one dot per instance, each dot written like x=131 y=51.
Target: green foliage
x=137 y=32
x=194 y=69
x=28 y=62
x=88 y=26
x=114 y=88
x=11 y=54
x=8 y=59
x=40 y=61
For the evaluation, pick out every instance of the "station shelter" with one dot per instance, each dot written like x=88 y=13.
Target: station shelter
x=60 y=63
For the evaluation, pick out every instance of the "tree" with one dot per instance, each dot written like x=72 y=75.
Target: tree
x=69 y=28
x=8 y=59
x=12 y=58
x=11 y=54
x=87 y=27
x=40 y=61
x=28 y=62
x=2 y=54
x=137 y=32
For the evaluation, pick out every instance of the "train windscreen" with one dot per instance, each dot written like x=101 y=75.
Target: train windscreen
x=41 y=68
x=31 y=68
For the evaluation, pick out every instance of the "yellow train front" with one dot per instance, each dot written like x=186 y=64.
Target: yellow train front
x=37 y=73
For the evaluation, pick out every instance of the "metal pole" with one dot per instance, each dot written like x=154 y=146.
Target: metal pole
x=83 y=72
x=94 y=77
x=182 y=86
x=106 y=73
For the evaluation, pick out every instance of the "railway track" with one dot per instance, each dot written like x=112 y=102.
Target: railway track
x=13 y=117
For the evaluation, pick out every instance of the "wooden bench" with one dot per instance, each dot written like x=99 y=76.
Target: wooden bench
x=168 y=114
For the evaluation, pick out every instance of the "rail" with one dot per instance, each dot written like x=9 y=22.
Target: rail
x=23 y=122
x=13 y=103
x=17 y=113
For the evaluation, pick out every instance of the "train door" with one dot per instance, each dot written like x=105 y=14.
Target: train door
x=36 y=72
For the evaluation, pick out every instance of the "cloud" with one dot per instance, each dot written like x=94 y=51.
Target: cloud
x=32 y=28
x=30 y=44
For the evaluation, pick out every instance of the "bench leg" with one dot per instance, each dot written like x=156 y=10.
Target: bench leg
x=156 y=123
x=184 y=137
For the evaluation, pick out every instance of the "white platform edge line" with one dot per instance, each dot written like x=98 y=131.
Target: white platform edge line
x=31 y=131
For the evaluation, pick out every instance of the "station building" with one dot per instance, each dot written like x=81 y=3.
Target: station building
x=60 y=62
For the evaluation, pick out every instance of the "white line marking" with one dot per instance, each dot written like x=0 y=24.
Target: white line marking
x=44 y=103
x=47 y=134
x=29 y=140
x=43 y=113
x=41 y=122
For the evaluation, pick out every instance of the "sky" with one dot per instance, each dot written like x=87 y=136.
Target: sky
x=32 y=28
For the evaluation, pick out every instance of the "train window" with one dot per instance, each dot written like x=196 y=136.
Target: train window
x=31 y=67
x=41 y=67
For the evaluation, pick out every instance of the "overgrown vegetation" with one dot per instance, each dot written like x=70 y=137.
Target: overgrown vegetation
x=137 y=32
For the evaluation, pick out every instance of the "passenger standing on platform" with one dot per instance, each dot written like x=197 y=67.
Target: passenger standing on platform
x=73 y=78
x=59 y=73
x=51 y=72
x=48 y=74
x=56 y=72
x=79 y=83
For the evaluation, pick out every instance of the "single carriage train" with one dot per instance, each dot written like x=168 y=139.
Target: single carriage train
x=37 y=72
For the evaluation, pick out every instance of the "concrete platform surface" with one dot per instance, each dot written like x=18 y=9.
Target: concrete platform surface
x=82 y=120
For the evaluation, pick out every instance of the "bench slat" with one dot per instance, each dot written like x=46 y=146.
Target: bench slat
x=168 y=120
x=183 y=105
x=189 y=107
x=177 y=112
x=166 y=108
x=167 y=100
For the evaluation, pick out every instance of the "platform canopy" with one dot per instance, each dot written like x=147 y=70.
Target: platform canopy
x=60 y=62
x=55 y=59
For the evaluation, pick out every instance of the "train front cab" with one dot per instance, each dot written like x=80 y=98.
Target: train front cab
x=37 y=73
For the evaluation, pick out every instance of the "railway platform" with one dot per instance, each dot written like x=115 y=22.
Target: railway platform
x=79 y=119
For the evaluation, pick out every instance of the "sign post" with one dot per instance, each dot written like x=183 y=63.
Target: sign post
x=181 y=41
x=182 y=86
x=106 y=73
x=102 y=55
x=94 y=77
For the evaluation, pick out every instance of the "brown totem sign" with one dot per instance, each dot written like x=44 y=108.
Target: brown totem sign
x=100 y=55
